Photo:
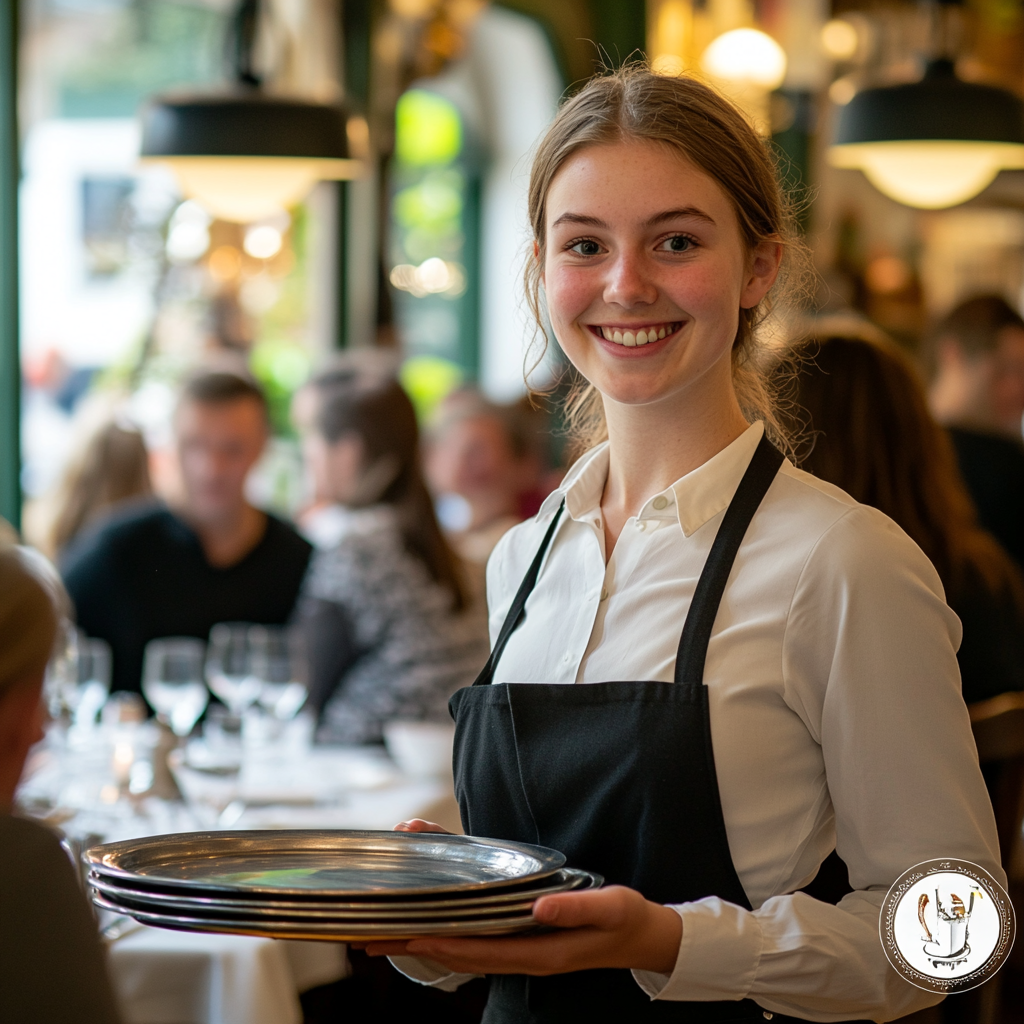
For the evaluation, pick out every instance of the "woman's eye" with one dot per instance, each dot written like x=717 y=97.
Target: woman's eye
x=588 y=247
x=677 y=243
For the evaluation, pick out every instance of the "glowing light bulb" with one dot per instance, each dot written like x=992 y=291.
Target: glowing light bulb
x=839 y=39
x=746 y=56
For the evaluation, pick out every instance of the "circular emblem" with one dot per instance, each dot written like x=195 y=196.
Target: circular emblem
x=946 y=925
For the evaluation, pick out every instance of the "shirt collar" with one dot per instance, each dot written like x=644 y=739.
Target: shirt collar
x=693 y=499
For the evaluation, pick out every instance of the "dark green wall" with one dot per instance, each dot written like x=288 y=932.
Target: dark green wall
x=10 y=372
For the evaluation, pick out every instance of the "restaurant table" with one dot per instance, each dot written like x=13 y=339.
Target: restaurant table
x=83 y=782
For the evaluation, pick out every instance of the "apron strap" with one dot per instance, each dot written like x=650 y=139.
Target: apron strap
x=693 y=644
x=515 y=613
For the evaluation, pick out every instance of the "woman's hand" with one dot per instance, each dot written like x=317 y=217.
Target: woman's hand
x=613 y=927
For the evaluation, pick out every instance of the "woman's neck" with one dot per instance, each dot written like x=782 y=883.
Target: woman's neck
x=652 y=446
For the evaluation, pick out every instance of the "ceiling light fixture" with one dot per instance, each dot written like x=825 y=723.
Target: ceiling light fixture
x=933 y=143
x=244 y=154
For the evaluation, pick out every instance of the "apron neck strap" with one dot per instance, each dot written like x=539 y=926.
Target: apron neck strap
x=515 y=613
x=693 y=644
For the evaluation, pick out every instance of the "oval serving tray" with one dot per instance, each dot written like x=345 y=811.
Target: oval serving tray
x=340 y=932
x=330 y=863
x=568 y=879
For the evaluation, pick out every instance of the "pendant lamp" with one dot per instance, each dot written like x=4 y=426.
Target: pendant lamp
x=933 y=143
x=241 y=153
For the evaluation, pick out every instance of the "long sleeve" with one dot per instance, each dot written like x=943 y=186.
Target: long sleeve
x=869 y=664
x=331 y=645
x=54 y=966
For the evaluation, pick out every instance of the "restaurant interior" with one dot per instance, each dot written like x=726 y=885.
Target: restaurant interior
x=216 y=205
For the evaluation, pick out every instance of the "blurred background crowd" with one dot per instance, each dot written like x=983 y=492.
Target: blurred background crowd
x=270 y=428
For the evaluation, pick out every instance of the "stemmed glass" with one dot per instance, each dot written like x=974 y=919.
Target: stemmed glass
x=228 y=667
x=172 y=681
x=94 y=666
x=278 y=660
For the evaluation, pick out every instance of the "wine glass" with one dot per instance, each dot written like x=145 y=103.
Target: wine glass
x=228 y=667
x=94 y=661
x=278 y=660
x=172 y=681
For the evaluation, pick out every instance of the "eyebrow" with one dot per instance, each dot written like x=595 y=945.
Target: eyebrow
x=659 y=218
x=683 y=211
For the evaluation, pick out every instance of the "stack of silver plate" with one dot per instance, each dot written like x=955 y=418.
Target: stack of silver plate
x=329 y=884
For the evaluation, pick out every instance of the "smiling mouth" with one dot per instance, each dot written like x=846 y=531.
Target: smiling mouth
x=634 y=337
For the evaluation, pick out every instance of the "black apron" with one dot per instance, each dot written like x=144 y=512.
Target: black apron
x=619 y=776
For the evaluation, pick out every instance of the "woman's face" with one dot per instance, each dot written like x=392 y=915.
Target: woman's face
x=645 y=271
x=336 y=467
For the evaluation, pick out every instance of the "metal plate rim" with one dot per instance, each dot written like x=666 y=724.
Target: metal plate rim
x=99 y=857
x=342 y=933
x=574 y=880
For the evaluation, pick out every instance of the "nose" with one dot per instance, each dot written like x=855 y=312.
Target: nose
x=629 y=283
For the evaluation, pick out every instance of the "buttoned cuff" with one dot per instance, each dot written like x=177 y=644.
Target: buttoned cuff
x=718 y=954
x=429 y=972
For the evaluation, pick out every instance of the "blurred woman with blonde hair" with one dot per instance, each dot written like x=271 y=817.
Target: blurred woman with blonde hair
x=112 y=467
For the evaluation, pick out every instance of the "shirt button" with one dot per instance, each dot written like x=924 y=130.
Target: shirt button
x=604 y=593
x=641 y=525
x=566 y=658
x=660 y=502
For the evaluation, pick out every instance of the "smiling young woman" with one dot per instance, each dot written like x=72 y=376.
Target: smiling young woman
x=811 y=701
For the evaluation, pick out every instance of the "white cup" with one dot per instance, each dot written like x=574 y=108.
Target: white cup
x=420 y=748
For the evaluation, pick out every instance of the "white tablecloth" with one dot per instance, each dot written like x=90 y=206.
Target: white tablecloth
x=168 y=977
x=165 y=977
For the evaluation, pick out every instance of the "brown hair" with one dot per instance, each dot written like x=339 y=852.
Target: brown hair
x=973 y=326
x=113 y=467
x=874 y=437
x=216 y=387
x=380 y=414
x=634 y=104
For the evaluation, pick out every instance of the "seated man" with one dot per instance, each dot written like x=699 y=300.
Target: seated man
x=154 y=571
x=977 y=391
x=53 y=965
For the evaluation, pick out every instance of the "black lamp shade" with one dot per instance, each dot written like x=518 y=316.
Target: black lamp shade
x=243 y=125
x=940 y=106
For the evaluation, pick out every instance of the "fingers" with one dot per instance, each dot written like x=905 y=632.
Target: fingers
x=606 y=909
x=393 y=947
x=419 y=825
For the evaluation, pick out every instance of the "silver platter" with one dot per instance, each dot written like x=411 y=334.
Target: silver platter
x=324 y=863
x=336 y=932
x=566 y=880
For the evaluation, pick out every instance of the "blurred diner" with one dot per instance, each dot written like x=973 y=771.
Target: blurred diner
x=482 y=463
x=864 y=410
x=390 y=630
x=54 y=966
x=976 y=363
x=177 y=569
x=112 y=467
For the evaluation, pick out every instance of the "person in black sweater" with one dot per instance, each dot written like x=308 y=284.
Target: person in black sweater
x=154 y=571
x=976 y=371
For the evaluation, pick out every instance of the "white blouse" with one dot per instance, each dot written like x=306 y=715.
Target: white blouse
x=836 y=714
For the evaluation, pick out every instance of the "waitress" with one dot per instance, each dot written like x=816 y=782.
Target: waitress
x=709 y=668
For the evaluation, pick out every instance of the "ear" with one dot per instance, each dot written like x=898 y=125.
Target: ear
x=762 y=270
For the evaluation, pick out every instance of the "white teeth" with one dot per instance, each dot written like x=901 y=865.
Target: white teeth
x=634 y=339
